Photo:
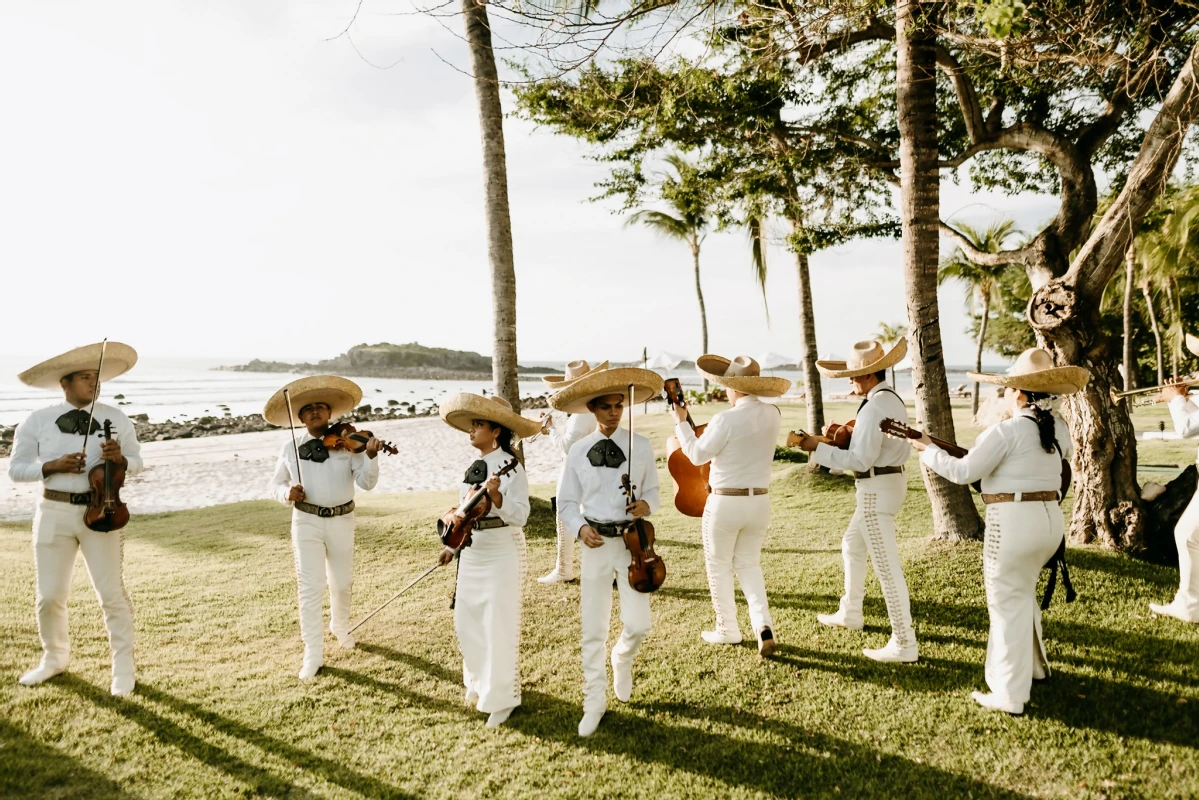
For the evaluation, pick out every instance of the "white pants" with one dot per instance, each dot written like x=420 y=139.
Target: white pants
x=1186 y=538
x=58 y=532
x=598 y=566
x=1020 y=538
x=324 y=550
x=487 y=616
x=566 y=550
x=872 y=531
x=733 y=531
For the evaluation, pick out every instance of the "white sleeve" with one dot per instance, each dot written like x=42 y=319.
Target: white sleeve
x=702 y=449
x=864 y=445
x=514 y=488
x=24 y=465
x=570 y=497
x=1186 y=417
x=988 y=451
x=366 y=470
x=281 y=482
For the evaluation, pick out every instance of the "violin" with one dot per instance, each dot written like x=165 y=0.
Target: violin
x=455 y=533
x=344 y=436
x=105 y=511
x=691 y=487
x=647 y=571
x=836 y=434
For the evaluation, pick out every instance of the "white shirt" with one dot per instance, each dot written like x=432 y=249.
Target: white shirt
x=514 y=488
x=1186 y=417
x=1007 y=457
x=869 y=446
x=329 y=483
x=39 y=440
x=587 y=492
x=739 y=442
x=577 y=426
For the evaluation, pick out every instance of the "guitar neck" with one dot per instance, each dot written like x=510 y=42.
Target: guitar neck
x=898 y=429
x=949 y=447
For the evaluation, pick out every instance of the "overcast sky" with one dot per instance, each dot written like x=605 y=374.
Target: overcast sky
x=217 y=179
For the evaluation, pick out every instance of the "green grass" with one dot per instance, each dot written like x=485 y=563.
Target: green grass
x=219 y=712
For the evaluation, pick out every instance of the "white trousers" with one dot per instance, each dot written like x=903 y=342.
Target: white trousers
x=566 y=550
x=324 y=553
x=58 y=532
x=598 y=566
x=487 y=616
x=1020 y=538
x=872 y=531
x=733 y=531
x=1186 y=537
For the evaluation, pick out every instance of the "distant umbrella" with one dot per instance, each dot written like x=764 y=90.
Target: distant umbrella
x=774 y=360
x=666 y=361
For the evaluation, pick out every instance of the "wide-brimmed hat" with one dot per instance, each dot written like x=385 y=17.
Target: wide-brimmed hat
x=1192 y=342
x=1034 y=371
x=574 y=371
x=575 y=397
x=118 y=359
x=741 y=375
x=341 y=395
x=866 y=358
x=463 y=408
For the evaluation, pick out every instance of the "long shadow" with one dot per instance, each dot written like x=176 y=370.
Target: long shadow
x=927 y=675
x=416 y=662
x=1124 y=569
x=33 y=769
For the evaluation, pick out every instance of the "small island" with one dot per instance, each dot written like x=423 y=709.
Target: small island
x=386 y=360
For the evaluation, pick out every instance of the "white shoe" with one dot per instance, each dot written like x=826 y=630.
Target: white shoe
x=498 y=718
x=894 y=654
x=122 y=685
x=1171 y=609
x=622 y=680
x=556 y=577
x=347 y=642
x=840 y=620
x=309 y=670
x=1040 y=670
x=590 y=722
x=471 y=698
x=995 y=704
x=722 y=637
x=38 y=674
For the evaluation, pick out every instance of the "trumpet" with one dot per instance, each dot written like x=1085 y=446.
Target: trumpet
x=1189 y=381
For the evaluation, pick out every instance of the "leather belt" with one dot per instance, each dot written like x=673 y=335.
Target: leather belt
x=876 y=471
x=74 y=498
x=488 y=523
x=325 y=511
x=1020 y=497
x=740 y=492
x=610 y=530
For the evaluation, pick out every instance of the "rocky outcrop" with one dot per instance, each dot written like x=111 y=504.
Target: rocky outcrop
x=385 y=360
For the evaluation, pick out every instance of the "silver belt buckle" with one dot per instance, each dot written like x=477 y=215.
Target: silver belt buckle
x=324 y=511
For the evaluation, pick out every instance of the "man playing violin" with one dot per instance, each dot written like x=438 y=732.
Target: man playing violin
x=592 y=504
x=876 y=462
x=318 y=482
x=59 y=446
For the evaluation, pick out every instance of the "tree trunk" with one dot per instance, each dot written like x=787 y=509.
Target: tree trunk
x=954 y=514
x=978 y=351
x=1130 y=266
x=1175 y=315
x=813 y=392
x=495 y=193
x=1157 y=332
x=703 y=313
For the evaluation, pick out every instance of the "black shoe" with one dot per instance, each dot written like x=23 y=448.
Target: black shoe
x=766 y=643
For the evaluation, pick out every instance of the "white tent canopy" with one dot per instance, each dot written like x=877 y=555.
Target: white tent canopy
x=665 y=360
x=775 y=360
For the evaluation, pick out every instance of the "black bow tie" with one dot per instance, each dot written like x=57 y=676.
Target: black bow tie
x=76 y=422
x=476 y=473
x=606 y=453
x=314 y=450
x=863 y=404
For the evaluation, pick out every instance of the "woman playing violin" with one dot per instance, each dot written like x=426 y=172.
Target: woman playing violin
x=491 y=564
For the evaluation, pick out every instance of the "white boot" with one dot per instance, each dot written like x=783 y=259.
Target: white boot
x=842 y=619
x=995 y=704
x=1171 y=609
x=722 y=637
x=122 y=685
x=622 y=680
x=309 y=670
x=498 y=718
x=556 y=577
x=347 y=642
x=38 y=674
x=590 y=722
x=894 y=654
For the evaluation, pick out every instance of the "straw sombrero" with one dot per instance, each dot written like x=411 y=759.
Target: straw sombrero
x=1192 y=342
x=461 y=409
x=740 y=375
x=866 y=358
x=575 y=397
x=1034 y=371
x=574 y=371
x=341 y=395
x=118 y=359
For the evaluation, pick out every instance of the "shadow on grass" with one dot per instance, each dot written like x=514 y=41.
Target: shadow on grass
x=1123 y=568
x=259 y=780
x=33 y=769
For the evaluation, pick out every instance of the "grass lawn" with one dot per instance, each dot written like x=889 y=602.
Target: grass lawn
x=219 y=712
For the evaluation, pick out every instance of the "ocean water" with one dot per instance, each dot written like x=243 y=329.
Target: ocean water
x=187 y=388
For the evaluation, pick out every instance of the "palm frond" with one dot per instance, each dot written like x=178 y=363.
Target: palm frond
x=661 y=223
x=755 y=226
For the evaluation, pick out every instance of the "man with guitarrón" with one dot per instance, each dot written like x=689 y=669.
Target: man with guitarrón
x=876 y=461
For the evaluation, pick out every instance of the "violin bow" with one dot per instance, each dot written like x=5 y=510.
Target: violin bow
x=390 y=600
x=91 y=412
x=291 y=426
x=632 y=497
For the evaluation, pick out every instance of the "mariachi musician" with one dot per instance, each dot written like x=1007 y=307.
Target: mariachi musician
x=577 y=426
x=876 y=462
x=317 y=480
x=59 y=446
x=492 y=564
x=740 y=444
x=594 y=506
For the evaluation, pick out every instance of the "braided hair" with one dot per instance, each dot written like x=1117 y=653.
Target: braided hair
x=504 y=440
x=1038 y=403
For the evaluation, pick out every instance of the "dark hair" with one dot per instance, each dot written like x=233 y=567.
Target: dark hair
x=504 y=440
x=1044 y=418
x=881 y=375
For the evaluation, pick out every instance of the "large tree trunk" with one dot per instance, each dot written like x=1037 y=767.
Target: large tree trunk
x=954 y=514
x=1157 y=332
x=813 y=392
x=978 y=351
x=1130 y=267
x=703 y=312
x=495 y=193
x=1173 y=313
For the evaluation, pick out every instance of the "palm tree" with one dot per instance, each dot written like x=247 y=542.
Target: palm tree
x=890 y=336
x=982 y=282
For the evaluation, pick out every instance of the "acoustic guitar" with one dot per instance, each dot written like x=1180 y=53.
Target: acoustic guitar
x=691 y=488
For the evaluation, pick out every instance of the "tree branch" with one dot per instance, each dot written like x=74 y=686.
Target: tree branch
x=964 y=88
